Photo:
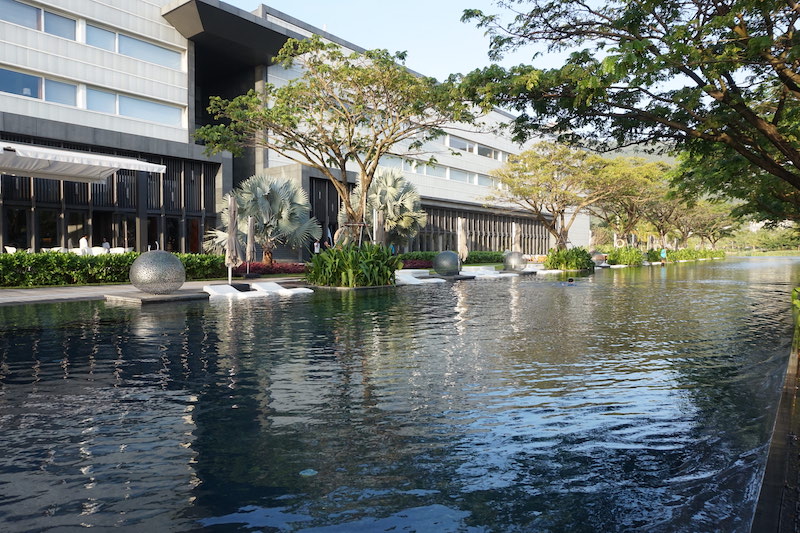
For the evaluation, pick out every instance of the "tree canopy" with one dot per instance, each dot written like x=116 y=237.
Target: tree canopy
x=345 y=111
x=708 y=76
x=637 y=186
x=556 y=183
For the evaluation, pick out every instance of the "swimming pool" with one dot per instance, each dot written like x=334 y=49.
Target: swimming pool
x=637 y=399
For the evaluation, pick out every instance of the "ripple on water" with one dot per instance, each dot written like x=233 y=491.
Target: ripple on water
x=632 y=401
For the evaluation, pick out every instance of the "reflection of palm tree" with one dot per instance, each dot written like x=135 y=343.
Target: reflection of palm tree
x=397 y=200
x=280 y=210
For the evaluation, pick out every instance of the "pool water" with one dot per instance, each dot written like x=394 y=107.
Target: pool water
x=635 y=400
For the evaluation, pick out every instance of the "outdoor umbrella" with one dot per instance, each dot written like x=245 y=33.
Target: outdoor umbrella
x=250 y=248
x=378 y=229
x=233 y=251
x=516 y=238
x=461 y=245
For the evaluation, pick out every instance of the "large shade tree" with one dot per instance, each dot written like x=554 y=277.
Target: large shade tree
x=556 y=183
x=636 y=186
x=722 y=176
x=710 y=76
x=280 y=209
x=345 y=111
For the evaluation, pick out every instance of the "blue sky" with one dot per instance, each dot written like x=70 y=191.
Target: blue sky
x=437 y=42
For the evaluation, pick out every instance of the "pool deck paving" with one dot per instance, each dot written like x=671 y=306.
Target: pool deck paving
x=191 y=290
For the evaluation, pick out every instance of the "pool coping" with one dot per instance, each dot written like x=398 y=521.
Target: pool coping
x=778 y=507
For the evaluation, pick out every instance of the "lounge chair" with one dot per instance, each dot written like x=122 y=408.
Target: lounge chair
x=414 y=276
x=227 y=291
x=270 y=287
x=485 y=272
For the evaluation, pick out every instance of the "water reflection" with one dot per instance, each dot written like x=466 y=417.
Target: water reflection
x=635 y=399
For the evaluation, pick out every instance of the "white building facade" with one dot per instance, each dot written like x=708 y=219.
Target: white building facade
x=132 y=78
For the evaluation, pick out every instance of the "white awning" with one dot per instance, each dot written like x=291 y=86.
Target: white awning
x=40 y=162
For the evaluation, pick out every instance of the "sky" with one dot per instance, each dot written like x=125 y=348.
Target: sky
x=431 y=31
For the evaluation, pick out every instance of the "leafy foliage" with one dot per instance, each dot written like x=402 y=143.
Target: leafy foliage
x=626 y=255
x=397 y=202
x=556 y=183
x=22 y=269
x=689 y=254
x=571 y=259
x=351 y=266
x=344 y=110
x=280 y=210
x=715 y=77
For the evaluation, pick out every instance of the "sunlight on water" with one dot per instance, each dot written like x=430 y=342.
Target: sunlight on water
x=638 y=399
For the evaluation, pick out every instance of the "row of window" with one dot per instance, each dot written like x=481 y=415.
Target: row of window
x=438 y=171
x=475 y=148
x=52 y=23
x=87 y=97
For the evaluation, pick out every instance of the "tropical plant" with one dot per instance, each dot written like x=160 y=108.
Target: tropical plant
x=396 y=201
x=571 y=259
x=369 y=265
x=280 y=210
x=345 y=110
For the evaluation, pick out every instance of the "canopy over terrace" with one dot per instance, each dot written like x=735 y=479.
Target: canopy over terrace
x=40 y=162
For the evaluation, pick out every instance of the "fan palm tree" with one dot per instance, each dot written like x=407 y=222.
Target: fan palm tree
x=280 y=209
x=397 y=201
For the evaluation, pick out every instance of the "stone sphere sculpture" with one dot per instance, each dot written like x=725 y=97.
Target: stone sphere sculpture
x=157 y=272
x=446 y=263
x=514 y=261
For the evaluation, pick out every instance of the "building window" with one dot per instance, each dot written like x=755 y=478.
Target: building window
x=486 y=151
x=485 y=180
x=107 y=40
x=36 y=19
x=19 y=83
x=132 y=47
x=391 y=161
x=145 y=51
x=148 y=110
x=102 y=101
x=461 y=144
x=19 y=13
x=436 y=171
x=58 y=25
x=60 y=93
x=460 y=175
x=128 y=106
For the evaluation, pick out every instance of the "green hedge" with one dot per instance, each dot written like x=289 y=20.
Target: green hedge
x=22 y=269
x=472 y=258
x=690 y=254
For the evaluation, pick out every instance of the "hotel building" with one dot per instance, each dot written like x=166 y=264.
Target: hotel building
x=99 y=101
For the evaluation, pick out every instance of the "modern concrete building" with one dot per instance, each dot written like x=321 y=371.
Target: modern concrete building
x=115 y=90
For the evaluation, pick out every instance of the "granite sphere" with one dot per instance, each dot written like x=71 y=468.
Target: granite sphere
x=157 y=272
x=514 y=261
x=447 y=263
